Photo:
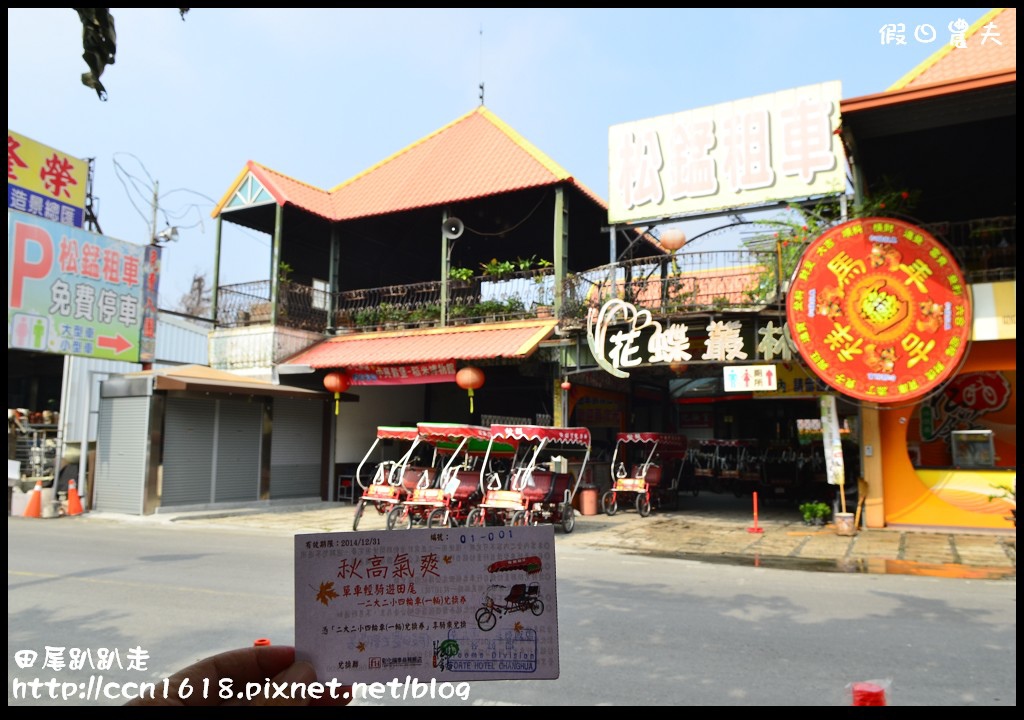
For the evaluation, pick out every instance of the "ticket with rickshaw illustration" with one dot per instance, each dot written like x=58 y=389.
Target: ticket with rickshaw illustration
x=447 y=603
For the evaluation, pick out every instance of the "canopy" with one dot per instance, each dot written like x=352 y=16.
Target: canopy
x=728 y=443
x=447 y=437
x=529 y=565
x=667 y=443
x=565 y=435
x=389 y=432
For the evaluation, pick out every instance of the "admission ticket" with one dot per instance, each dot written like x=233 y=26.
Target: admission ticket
x=451 y=604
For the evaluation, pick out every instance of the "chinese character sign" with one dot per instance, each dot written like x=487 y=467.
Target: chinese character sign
x=71 y=292
x=45 y=182
x=743 y=153
x=834 y=469
x=416 y=374
x=880 y=310
x=452 y=604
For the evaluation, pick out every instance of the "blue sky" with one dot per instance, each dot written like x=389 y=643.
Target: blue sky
x=322 y=95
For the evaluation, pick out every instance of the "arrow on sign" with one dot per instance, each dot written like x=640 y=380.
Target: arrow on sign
x=119 y=344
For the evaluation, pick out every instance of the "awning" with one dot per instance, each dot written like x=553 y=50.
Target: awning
x=199 y=378
x=515 y=340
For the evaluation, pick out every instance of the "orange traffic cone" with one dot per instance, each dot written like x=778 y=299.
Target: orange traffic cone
x=74 y=501
x=34 y=508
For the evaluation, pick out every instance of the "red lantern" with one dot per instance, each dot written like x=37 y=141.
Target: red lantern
x=337 y=383
x=672 y=239
x=470 y=378
x=566 y=384
x=678 y=368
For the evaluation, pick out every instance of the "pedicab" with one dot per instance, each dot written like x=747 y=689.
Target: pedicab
x=539 y=488
x=393 y=480
x=652 y=482
x=459 y=451
x=501 y=600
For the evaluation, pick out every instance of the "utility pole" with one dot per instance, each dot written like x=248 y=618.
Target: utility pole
x=156 y=204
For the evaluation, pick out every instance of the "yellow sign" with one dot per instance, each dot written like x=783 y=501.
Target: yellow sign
x=742 y=153
x=45 y=182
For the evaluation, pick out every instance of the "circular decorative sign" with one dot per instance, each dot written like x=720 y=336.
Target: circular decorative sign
x=880 y=310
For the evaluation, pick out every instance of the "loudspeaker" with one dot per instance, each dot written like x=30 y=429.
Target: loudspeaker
x=452 y=228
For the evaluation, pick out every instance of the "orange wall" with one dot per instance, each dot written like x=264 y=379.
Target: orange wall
x=924 y=498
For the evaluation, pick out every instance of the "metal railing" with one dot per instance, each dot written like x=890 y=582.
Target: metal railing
x=674 y=285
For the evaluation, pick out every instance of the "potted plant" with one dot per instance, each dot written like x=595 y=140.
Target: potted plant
x=392 y=315
x=815 y=512
x=460 y=274
x=426 y=315
x=367 y=317
x=496 y=270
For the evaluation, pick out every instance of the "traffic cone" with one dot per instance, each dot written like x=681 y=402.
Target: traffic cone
x=74 y=501
x=35 y=502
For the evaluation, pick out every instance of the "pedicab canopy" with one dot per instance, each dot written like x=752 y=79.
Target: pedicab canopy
x=530 y=565
x=385 y=432
x=666 y=443
x=564 y=435
x=448 y=437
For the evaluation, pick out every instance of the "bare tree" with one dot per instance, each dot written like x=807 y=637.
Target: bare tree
x=197 y=302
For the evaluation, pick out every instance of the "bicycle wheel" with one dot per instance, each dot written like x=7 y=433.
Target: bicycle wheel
x=486 y=619
x=643 y=505
x=475 y=519
x=537 y=606
x=609 y=503
x=358 y=516
x=440 y=517
x=568 y=520
x=518 y=519
x=399 y=518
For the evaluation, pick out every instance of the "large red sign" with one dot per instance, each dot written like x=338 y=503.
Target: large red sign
x=880 y=310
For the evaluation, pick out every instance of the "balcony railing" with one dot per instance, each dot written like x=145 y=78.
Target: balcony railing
x=685 y=283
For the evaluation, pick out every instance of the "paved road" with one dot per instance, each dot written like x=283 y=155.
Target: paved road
x=712 y=528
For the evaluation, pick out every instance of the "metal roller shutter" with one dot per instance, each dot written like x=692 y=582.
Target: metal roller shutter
x=189 y=438
x=295 y=453
x=121 y=454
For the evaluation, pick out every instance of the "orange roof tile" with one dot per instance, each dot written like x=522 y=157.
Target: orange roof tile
x=991 y=47
x=466 y=342
x=475 y=156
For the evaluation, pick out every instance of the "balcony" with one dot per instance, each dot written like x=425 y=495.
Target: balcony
x=673 y=286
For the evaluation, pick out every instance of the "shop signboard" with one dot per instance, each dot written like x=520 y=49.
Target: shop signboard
x=72 y=292
x=880 y=310
x=622 y=337
x=742 y=153
x=750 y=378
x=834 y=469
x=45 y=182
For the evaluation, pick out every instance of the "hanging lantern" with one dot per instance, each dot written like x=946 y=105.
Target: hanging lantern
x=566 y=384
x=672 y=239
x=470 y=378
x=678 y=368
x=337 y=383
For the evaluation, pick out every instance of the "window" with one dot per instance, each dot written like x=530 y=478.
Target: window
x=321 y=294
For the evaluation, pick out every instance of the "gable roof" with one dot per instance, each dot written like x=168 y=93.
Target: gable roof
x=991 y=47
x=475 y=156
